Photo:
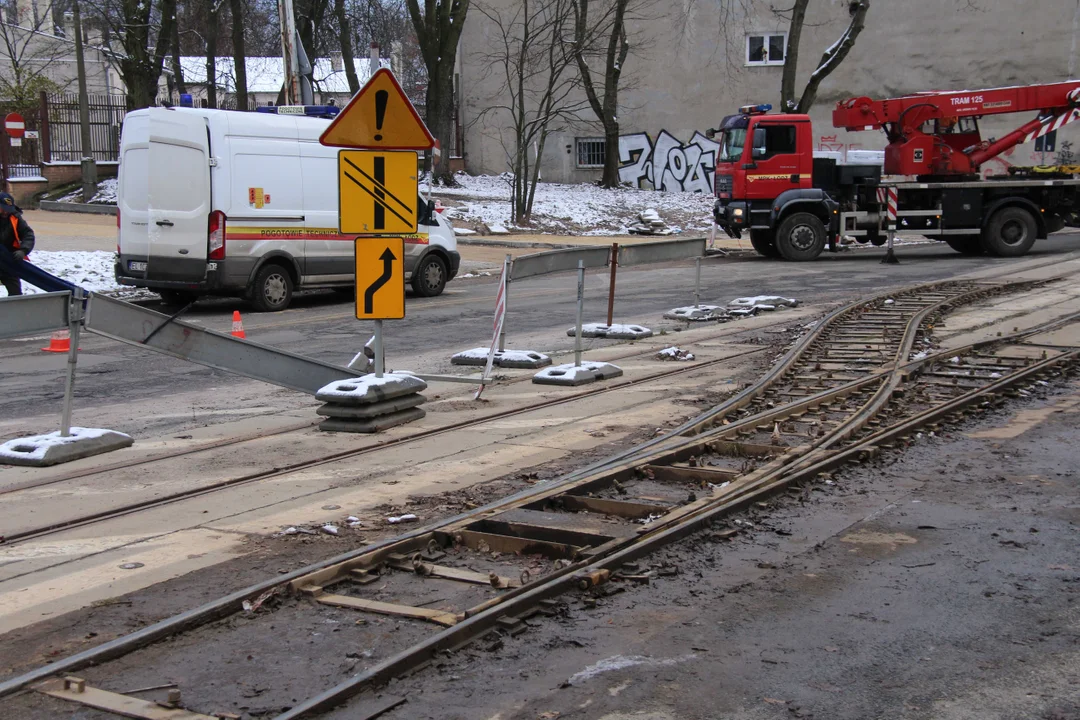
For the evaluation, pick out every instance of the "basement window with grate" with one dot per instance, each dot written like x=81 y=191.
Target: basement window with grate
x=591 y=152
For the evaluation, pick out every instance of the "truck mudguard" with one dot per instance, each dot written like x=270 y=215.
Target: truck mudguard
x=805 y=197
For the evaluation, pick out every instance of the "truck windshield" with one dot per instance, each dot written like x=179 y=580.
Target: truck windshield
x=731 y=144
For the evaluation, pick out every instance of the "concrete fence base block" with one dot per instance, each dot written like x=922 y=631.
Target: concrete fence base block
x=526 y=359
x=612 y=332
x=369 y=389
x=371 y=425
x=52 y=449
x=365 y=412
x=696 y=313
x=573 y=375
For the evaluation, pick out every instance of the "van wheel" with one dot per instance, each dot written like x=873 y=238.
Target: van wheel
x=176 y=298
x=801 y=237
x=429 y=276
x=272 y=289
x=965 y=244
x=1010 y=233
x=763 y=243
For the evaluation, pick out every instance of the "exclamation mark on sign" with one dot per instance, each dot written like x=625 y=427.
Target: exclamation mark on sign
x=381 y=96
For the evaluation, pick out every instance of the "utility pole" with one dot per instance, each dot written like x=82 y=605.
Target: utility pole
x=89 y=167
x=289 y=53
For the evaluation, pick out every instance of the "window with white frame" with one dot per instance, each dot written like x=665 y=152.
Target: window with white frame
x=766 y=48
x=591 y=152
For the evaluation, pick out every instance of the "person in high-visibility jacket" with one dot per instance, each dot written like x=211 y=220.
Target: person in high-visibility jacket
x=16 y=236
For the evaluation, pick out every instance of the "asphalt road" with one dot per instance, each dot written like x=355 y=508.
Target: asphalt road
x=322 y=324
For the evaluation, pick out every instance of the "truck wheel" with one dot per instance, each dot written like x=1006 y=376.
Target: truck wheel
x=801 y=237
x=763 y=244
x=1010 y=233
x=272 y=289
x=429 y=276
x=965 y=244
x=176 y=298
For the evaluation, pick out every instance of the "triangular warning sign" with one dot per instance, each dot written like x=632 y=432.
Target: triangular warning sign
x=379 y=117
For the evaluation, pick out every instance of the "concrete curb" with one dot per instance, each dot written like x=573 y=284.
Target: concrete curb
x=54 y=206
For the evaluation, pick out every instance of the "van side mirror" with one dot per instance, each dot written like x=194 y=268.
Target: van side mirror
x=710 y=133
x=760 y=149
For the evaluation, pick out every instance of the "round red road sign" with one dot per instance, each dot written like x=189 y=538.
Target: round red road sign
x=14 y=125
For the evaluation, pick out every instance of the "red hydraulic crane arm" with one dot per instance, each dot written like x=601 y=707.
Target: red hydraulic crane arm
x=911 y=111
x=912 y=151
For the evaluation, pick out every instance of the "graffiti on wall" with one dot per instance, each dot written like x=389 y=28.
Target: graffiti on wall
x=668 y=164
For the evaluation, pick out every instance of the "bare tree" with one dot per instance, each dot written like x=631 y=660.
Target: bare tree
x=345 y=38
x=438 y=30
x=536 y=56
x=142 y=30
x=830 y=59
x=213 y=14
x=603 y=96
x=29 y=51
x=177 y=77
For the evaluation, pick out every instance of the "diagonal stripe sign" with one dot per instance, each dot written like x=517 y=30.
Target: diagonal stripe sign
x=377 y=192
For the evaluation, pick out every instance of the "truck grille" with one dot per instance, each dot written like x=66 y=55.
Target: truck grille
x=724 y=183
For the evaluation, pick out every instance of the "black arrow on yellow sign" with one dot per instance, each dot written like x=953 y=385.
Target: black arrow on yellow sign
x=388 y=271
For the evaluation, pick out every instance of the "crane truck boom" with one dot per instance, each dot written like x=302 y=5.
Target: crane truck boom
x=793 y=205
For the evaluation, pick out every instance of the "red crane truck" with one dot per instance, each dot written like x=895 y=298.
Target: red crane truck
x=794 y=205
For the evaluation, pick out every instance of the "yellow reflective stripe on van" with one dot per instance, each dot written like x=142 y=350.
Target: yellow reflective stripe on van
x=294 y=233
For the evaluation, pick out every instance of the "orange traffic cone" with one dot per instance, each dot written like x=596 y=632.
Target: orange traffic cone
x=237 y=325
x=59 y=342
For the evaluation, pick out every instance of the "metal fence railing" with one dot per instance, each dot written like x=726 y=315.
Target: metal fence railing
x=62 y=138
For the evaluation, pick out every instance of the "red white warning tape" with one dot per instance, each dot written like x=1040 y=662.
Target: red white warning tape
x=892 y=207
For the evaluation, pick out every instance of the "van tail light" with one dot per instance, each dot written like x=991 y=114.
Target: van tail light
x=215 y=234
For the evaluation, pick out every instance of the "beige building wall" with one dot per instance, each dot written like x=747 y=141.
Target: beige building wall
x=689 y=70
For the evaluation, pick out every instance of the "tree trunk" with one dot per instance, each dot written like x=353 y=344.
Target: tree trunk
x=440 y=119
x=606 y=108
x=345 y=40
x=178 y=71
x=791 y=56
x=211 y=55
x=236 y=7
x=835 y=55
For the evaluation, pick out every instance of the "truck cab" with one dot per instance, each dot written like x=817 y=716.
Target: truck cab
x=765 y=177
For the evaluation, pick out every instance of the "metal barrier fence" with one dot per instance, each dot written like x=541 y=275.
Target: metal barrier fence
x=558 y=261
x=661 y=251
x=33 y=314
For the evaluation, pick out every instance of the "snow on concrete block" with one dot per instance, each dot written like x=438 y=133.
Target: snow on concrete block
x=573 y=375
x=372 y=425
x=369 y=389
x=52 y=448
x=612 y=332
x=698 y=313
x=503 y=358
x=498 y=229
x=774 y=300
x=464 y=231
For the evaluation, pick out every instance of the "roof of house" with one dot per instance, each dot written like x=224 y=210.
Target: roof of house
x=267 y=74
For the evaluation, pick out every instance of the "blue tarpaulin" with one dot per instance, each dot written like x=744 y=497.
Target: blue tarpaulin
x=32 y=274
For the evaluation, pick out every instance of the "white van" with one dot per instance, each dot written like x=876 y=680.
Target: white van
x=216 y=202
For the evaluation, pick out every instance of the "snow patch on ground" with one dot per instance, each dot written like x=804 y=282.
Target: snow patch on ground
x=106 y=194
x=578 y=209
x=675 y=353
x=621 y=662
x=90 y=270
x=35 y=447
x=759 y=300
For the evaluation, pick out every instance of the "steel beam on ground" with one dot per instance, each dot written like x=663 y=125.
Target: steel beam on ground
x=558 y=261
x=33 y=314
x=132 y=324
x=661 y=251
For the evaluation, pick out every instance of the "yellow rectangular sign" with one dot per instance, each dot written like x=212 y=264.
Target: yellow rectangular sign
x=377 y=192
x=380 y=278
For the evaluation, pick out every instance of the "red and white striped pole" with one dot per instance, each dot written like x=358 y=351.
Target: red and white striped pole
x=497 y=325
x=891 y=203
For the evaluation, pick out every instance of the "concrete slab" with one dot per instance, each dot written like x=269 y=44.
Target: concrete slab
x=364 y=412
x=614 y=331
x=53 y=448
x=573 y=375
x=696 y=313
x=370 y=389
x=521 y=359
x=371 y=425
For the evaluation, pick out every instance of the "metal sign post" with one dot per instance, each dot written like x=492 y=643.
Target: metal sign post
x=506 y=292
x=379 y=358
x=580 y=311
x=611 y=286
x=697 y=282
x=75 y=315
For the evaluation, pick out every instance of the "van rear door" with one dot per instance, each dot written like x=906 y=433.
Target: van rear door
x=132 y=201
x=179 y=195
